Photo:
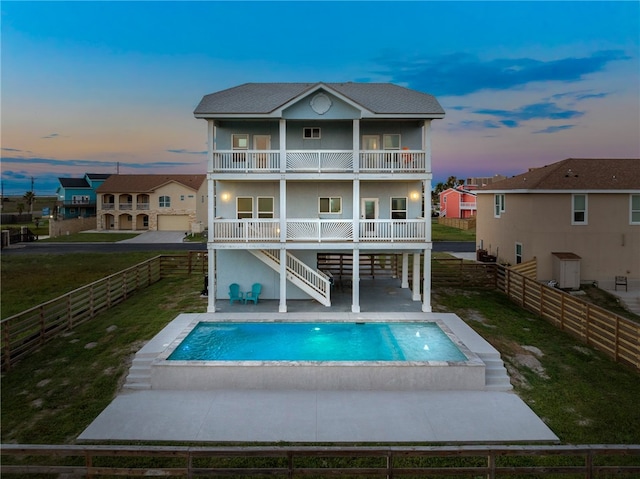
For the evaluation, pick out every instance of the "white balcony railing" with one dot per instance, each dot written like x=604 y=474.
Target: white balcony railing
x=142 y=206
x=108 y=206
x=468 y=205
x=269 y=161
x=318 y=230
x=125 y=206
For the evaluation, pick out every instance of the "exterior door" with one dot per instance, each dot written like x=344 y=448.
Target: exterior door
x=369 y=211
x=262 y=142
x=370 y=142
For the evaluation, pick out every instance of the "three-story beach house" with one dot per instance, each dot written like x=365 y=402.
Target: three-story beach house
x=297 y=171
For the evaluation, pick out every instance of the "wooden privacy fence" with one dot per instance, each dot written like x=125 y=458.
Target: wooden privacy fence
x=614 y=335
x=584 y=461
x=25 y=332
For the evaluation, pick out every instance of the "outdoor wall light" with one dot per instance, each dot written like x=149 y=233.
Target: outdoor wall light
x=225 y=196
x=415 y=195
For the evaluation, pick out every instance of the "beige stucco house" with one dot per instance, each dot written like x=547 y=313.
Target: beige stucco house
x=578 y=217
x=153 y=202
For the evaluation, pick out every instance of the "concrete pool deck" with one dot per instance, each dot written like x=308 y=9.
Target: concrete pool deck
x=338 y=416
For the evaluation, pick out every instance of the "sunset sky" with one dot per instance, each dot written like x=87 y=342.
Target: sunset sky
x=88 y=85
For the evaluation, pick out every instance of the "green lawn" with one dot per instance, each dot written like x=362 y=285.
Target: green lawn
x=447 y=233
x=91 y=238
x=51 y=396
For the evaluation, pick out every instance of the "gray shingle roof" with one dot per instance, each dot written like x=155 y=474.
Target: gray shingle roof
x=576 y=174
x=73 y=183
x=265 y=98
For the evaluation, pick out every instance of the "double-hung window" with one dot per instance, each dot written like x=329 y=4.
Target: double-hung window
x=634 y=206
x=311 y=133
x=331 y=205
x=498 y=205
x=265 y=206
x=579 y=209
x=244 y=207
x=398 y=208
x=518 y=253
x=164 y=202
x=391 y=141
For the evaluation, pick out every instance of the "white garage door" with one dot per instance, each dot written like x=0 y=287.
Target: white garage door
x=173 y=222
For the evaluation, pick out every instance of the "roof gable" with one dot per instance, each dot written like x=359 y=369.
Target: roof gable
x=576 y=174
x=147 y=183
x=269 y=99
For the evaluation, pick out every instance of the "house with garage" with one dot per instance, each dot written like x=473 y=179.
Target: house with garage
x=303 y=173
x=458 y=202
x=76 y=197
x=153 y=202
x=580 y=219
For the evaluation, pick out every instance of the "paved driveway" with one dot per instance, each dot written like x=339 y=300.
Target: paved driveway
x=157 y=237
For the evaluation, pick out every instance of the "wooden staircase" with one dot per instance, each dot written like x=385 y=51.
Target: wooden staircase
x=312 y=281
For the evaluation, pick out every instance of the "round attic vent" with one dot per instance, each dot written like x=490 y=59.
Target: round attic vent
x=320 y=103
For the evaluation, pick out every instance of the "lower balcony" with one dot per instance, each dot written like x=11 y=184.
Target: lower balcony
x=319 y=230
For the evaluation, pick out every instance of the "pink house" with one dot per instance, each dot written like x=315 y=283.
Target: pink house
x=458 y=202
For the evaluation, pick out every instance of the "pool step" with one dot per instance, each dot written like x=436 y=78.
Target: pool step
x=496 y=377
x=139 y=376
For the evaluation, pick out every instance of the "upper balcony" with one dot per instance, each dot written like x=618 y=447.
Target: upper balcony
x=319 y=161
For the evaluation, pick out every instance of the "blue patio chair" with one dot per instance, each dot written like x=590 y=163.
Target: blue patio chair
x=254 y=294
x=234 y=293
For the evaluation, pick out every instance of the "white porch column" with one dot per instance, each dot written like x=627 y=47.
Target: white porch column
x=283 y=145
x=356 y=210
x=282 y=308
x=426 y=289
x=356 y=145
x=211 y=213
x=415 y=289
x=211 y=272
x=355 y=282
x=405 y=270
x=426 y=145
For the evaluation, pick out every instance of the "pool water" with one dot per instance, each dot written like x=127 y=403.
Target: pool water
x=260 y=341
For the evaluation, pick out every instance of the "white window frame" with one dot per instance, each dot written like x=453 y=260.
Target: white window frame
x=265 y=213
x=236 y=145
x=518 y=253
x=405 y=210
x=331 y=200
x=585 y=212
x=311 y=133
x=634 y=210
x=243 y=214
x=389 y=136
x=498 y=204
x=164 y=201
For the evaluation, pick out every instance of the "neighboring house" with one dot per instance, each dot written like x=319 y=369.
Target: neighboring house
x=578 y=216
x=483 y=180
x=297 y=170
x=153 y=202
x=458 y=202
x=77 y=196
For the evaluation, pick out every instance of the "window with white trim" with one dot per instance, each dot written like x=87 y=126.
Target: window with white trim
x=391 y=141
x=311 y=133
x=240 y=141
x=265 y=206
x=634 y=206
x=518 y=253
x=399 y=208
x=498 y=205
x=330 y=205
x=579 y=209
x=244 y=207
x=164 y=202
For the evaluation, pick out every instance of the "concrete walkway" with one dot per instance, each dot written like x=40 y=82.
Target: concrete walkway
x=318 y=416
x=157 y=237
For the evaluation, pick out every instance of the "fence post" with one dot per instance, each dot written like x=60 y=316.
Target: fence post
x=491 y=465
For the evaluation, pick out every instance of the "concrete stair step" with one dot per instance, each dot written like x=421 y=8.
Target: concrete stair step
x=137 y=386
x=139 y=378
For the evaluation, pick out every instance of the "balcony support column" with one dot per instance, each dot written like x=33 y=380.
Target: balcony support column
x=426 y=146
x=416 y=278
x=283 y=210
x=356 y=146
x=356 y=210
x=211 y=285
x=283 y=147
x=426 y=289
x=355 y=282
x=405 y=270
x=282 y=307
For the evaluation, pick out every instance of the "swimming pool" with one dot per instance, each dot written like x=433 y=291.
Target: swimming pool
x=259 y=341
x=171 y=371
